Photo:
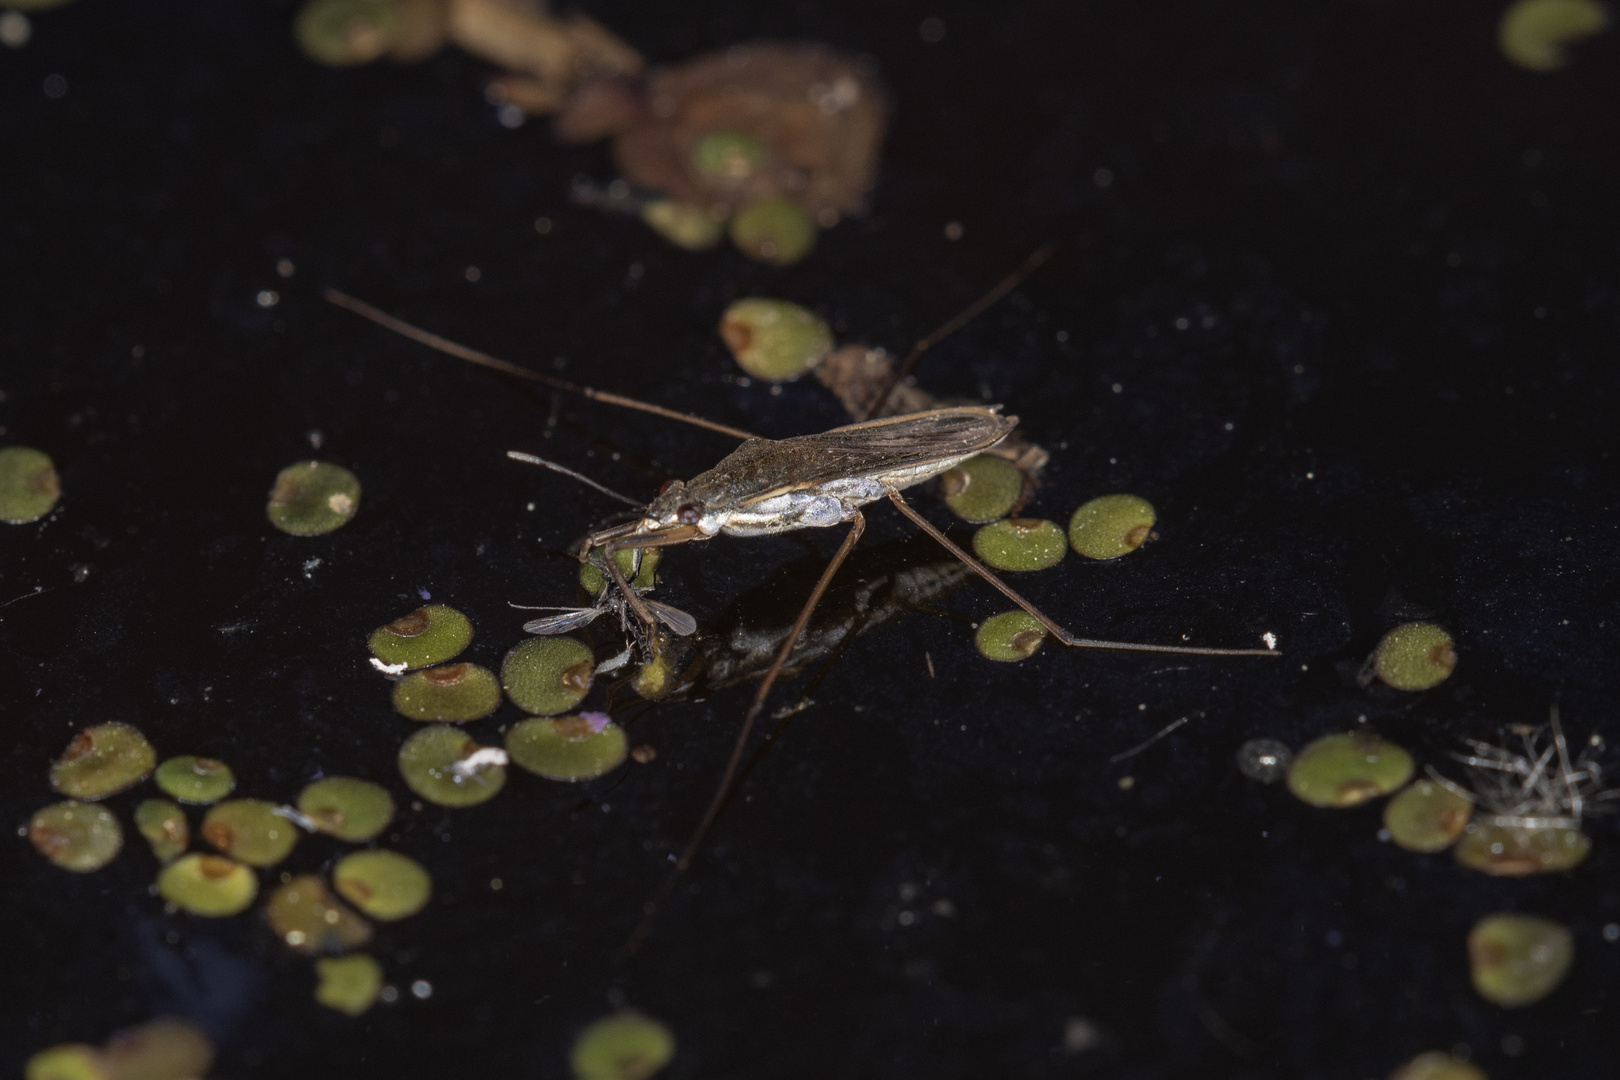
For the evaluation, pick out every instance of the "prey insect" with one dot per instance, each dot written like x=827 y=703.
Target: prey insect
x=768 y=487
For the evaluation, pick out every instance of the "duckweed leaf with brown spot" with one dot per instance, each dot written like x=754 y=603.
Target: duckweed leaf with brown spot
x=165 y=827
x=1516 y=960
x=433 y=764
x=455 y=693
x=548 y=675
x=383 y=884
x=1427 y=816
x=348 y=984
x=568 y=748
x=196 y=780
x=983 y=488
x=1514 y=851
x=429 y=635
x=1112 y=525
x=103 y=760
x=250 y=830
x=346 y=807
x=775 y=340
x=313 y=497
x=1414 y=656
x=29 y=486
x=624 y=1046
x=76 y=836
x=1009 y=637
x=1020 y=544
x=304 y=914
x=1347 y=770
x=208 y=885
x=774 y=231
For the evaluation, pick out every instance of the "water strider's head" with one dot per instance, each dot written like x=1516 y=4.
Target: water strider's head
x=677 y=504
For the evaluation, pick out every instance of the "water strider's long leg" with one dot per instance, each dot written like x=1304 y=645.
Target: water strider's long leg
x=1053 y=628
x=723 y=790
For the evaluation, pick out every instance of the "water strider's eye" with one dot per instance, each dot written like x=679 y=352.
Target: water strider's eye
x=688 y=514
x=667 y=485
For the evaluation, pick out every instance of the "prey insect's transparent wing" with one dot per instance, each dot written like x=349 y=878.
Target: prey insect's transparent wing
x=562 y=624
x=674 y=618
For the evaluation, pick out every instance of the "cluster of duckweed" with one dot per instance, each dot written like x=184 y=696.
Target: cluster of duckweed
x=775 y=340
x=313 y=497
x=1020 y=544
x=1437 y=1065
x=76 y=836
x=1412 y=656
x=29 y=486
x=568 y=748
x=1265 y=760
x=454 y=693
x=1535 y=34
x=624 y=1046
x=984 y=488
x=429 y=635
x=164 y=826
x=1348 y=769
x=445 y=765
x=348 y=984
x=254 y=831
x=347 y=808
x=304 y=914
x=1516 y=960
x=195 y=780
x=165 y=1049
x=1009 y=637
x=103 y=760
x=1111 y=525
x=385 y=885
x=550 y=675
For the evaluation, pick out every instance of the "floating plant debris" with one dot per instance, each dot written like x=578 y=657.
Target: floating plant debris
x=427 y=636
x=347 y=808
x=1413 y=656
x=313 y=497
x=102 y=761
x=773 y=231
x=775 y=340
x=731 y=155
x=1010 y=636
x=304 y=914
x=210 y=885
x=689 y=227
x=1516 y=960
x=1538 y=784
x=1427 y=817
x=348 y=984
x=1020 y=544
x=344 y=33
x=1514 y=851
x=549 y=675
x=164 y=826
x=593 y=580
x=1435 y=1065
x=579 y=747
x=445 y=766
x=1265 y=760
x=383 y=884
x=253 y=831
x=195 y=779
x=1534 y=34
x=624 y=1046
x=69 y=1061
x=76 y=836
x=29 y=486
x=1347 y=770
x=451 y=692
x=983 y=488
x=1111 y=525
x=166 y=1049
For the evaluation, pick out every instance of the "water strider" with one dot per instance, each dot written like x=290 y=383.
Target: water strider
x=770 y=486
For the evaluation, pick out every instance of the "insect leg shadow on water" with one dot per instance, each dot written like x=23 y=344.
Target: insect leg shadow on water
x=767 y=487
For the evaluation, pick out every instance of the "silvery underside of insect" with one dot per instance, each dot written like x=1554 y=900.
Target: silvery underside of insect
x=1536 y=784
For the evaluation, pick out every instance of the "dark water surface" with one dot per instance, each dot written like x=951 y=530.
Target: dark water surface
x=1338 y=289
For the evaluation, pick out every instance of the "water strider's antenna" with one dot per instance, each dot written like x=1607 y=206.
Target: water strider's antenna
x=483 y=359
x=961 y=319
x=530 y=459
